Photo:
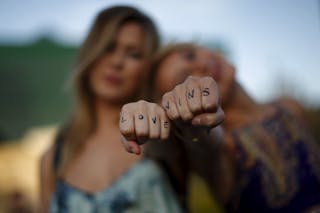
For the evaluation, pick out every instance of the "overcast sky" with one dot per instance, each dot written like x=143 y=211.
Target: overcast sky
x=269 y=40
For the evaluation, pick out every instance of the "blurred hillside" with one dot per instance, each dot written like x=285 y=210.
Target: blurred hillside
x=33 y=78
x=31 y=85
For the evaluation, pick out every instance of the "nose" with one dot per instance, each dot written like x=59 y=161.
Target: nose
x=204 y=65
x=117 y=60
x=207 y=64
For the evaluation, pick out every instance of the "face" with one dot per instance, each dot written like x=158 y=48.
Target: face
x=117 y=75
x=197 y=61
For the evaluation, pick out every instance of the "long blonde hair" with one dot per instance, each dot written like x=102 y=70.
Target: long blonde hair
x=82 y=122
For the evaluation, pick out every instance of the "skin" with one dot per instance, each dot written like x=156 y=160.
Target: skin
x=126 y=61
x=181 y=82
x=193 y=103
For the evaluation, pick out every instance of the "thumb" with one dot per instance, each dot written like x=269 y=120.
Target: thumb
x=131 y=146
x=209 y=119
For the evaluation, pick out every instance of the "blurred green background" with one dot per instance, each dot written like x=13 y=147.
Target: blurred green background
x=32 y=85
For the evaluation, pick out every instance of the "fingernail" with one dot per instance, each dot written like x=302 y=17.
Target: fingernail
x=136 y=151
x=196 y=121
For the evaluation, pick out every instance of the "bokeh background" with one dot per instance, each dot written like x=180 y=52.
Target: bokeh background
x=275 y=46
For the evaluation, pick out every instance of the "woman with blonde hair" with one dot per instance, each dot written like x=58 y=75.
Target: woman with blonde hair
x=86 y=170
x=268 y=160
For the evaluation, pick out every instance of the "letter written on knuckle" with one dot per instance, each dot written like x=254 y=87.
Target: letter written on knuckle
x=179 y=102
x=166 y=124
x=140 y=117
x=154 y=120
x=190 y=94
x=205 y=92
x=123 y=120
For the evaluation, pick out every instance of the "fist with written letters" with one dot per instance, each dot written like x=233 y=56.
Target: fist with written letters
x=194 y=103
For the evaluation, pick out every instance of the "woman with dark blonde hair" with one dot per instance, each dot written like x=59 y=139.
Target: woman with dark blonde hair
x=268 y=160
x=86 y=170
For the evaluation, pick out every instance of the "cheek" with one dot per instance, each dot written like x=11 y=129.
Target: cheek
x=136 y=74
x=162 y=81
x=94 y=81
x=137 y=71
x=226 y=83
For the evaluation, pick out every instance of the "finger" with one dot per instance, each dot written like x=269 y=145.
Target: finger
x=168 y=103
x=141 y=123
x=126 y=123
x=209 y=119
x=154 y=122
x=131 y=146
x=210 y=95
x=193 y=95
x=181 y=102
x=164 y=124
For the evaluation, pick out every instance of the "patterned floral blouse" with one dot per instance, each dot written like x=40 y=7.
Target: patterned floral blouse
x=278 y=166
x=142 y=189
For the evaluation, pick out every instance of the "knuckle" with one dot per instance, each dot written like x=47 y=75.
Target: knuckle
x=191 y=79
x=171 y=115
x=126 y=131
x=154 y=135
x=210 y=105
x=177 y=87
x=186 y=115
x=166 y=95
x=207 y=79
x=142 y=134
x=211 y=108
x=142 y=102
x=195 y=108
x=126 y=107
x=164 y=136
x=153 y=106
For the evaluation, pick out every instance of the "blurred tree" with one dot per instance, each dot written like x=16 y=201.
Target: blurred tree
x=31 y=85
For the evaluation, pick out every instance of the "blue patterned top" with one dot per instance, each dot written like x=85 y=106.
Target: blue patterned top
x=278 y=167
x=142 y=189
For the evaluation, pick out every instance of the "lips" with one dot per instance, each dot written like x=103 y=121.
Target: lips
x=113 y=80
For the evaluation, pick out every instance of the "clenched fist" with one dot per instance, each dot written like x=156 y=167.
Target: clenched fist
x=141 y=121
x=195 y=100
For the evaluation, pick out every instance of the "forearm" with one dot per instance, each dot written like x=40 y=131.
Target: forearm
x=209 y=159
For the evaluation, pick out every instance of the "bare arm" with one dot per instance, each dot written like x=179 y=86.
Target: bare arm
x=47 y=179
x=211 y=157
x=195 y=112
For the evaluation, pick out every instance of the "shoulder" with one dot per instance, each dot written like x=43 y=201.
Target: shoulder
x=293 y=106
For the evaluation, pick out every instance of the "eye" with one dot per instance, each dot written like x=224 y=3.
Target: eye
x=189 y=55
x=135 y=54
x=110 y=48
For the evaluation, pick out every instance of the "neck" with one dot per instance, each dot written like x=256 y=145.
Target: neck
x=107 y=115
x=239 y=108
